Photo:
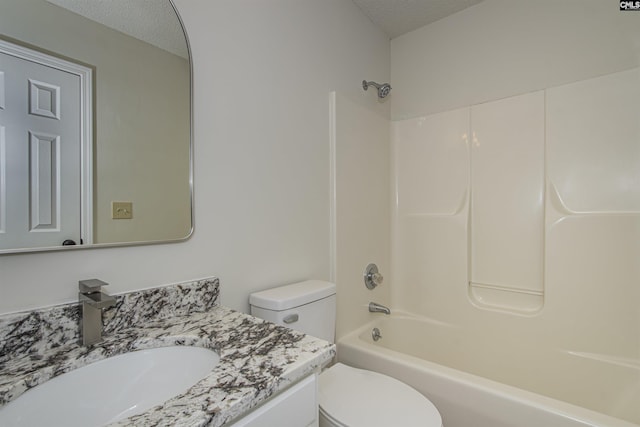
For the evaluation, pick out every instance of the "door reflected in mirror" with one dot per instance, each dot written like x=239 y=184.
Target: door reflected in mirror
x=95 y=124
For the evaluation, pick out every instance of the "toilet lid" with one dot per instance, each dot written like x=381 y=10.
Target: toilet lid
x=359 y=398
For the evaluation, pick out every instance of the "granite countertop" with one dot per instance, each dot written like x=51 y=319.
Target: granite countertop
x=257 y=360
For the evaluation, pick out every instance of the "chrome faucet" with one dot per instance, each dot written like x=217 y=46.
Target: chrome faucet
x=93 y=301
x=374 y=307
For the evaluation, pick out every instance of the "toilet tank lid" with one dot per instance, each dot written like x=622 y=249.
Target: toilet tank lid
x=294 y=295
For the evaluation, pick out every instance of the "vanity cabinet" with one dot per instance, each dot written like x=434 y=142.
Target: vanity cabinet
x=297 y=406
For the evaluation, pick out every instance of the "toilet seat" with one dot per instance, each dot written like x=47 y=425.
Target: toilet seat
x=360 y=398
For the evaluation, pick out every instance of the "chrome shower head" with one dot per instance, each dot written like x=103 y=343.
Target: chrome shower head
x=383 y=89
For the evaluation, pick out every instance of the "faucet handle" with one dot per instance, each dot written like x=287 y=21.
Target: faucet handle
x=89 y=286
x=371 y=276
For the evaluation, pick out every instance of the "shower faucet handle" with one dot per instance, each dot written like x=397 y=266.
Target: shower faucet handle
x=371 y=276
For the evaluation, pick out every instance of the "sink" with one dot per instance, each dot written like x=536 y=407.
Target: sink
x=111 y=389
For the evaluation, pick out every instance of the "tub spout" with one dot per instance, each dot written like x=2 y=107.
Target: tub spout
x=378 y=308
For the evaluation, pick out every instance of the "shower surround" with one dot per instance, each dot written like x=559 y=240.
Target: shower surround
x=515 y=253
x=515 y=205
x=516 y=182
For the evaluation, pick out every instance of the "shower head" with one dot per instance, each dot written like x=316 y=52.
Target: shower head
x=383 y=89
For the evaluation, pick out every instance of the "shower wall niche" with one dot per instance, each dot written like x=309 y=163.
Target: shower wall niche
x=514 y=204
x=506 y=216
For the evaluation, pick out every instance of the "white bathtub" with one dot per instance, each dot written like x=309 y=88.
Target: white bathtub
x=481 y=382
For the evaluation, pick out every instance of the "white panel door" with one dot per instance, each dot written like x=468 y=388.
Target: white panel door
x=40 y=154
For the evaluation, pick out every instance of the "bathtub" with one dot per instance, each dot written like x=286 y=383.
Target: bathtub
x=481 y=382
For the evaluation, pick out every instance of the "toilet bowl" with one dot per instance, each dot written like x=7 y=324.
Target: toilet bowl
x=347 y=396
x=360 y=398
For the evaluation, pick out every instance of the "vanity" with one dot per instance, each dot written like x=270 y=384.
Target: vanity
x=266 y=374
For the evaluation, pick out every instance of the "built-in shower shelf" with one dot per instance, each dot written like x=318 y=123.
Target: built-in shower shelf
x=506 y=219
x=503 y=298
x=460 y=209
x=558 y=203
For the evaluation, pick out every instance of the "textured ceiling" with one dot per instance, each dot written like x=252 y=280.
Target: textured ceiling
x=152 y=21
x=397 y=17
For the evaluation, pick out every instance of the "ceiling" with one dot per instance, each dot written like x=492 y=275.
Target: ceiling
x=397 y=17
x=151 y=21
x=155 y=22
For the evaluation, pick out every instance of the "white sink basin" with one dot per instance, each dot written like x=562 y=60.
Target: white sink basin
x=111 y=389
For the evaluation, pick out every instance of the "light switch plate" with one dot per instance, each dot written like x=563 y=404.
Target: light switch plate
x=121 y=210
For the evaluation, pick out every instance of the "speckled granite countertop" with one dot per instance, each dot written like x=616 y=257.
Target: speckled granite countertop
x=257 y=358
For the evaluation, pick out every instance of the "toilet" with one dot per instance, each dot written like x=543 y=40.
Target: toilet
x=347 y=396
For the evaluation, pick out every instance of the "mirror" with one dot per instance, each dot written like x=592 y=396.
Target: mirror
x=95 y=124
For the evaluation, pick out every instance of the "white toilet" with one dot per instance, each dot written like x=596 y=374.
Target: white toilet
x=347 y=396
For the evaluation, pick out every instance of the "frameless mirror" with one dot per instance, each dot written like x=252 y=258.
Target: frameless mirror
x=95 y=124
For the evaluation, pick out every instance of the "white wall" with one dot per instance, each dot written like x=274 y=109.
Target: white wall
x=501 y=48
x=263 y=73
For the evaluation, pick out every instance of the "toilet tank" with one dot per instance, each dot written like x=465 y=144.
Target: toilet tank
x=308 y=307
